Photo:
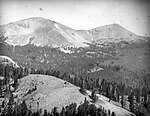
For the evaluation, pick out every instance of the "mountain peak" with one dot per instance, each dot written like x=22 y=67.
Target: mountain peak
x=47 y=32
x=112 y=31
x=30 y=19
x=44 y=32
x=110 y=26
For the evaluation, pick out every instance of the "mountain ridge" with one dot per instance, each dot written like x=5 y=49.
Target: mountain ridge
x=51 y=33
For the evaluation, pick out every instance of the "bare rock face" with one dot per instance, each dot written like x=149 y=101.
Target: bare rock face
x=47 y=92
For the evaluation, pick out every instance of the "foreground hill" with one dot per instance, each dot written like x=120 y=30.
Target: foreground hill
x=50 y=92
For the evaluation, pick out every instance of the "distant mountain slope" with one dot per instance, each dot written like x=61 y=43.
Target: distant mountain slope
x=41 y=32
x=109 y=33
x=52 y=92
x=44 y=32
x=113 y=31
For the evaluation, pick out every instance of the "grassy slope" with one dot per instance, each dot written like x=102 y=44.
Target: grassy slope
x=51 y=92
x=103 y=101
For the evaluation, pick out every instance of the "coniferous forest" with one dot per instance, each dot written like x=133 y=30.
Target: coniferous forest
x=138 y=98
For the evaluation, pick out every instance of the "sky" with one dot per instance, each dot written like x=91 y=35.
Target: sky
x=81 y=14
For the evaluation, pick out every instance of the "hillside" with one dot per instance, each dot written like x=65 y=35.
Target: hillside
x=41 y=32
x=52 y=92
x=49 y=91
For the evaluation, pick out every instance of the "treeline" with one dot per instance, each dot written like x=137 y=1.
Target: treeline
x=9 y=77
x=84 y=109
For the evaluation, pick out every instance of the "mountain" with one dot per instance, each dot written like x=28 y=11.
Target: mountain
x=50 y=92
x=44 y=32
x=41 y=32
x=111 y=33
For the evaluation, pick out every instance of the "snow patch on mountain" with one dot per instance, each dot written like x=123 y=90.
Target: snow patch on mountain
x=6 y=60
x=66 y=50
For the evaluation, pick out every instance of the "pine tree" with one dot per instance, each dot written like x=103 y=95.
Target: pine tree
x=55 y=112
x=108 y=112
x=1 y=85
x=131 y=101
x=23 y=108
x=85 y=101
x=62 y=112
x=82 y=88
x=93 y=96
x=138 y=95
x=98 y=83
x=45 y=113
x=92 y=110
x=103 y=86
x=113 y=114
x=122 y=100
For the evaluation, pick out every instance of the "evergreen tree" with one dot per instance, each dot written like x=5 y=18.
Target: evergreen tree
x=62 y=112
x=113 y=114
x=103 y=86
x=23 y=108
x=82 y=88
x=55 y=112
x=85 y=101
x=45 y=113
x=122 y=100
x=131 y=101
x=92 y=110
x=93 y=96
x=83 y=109
x=71 y=110
x=137 y=95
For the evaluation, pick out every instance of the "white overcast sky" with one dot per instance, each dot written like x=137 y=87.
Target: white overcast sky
x=81 y=14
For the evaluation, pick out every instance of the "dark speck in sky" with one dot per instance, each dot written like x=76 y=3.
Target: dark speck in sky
x=40 y=9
